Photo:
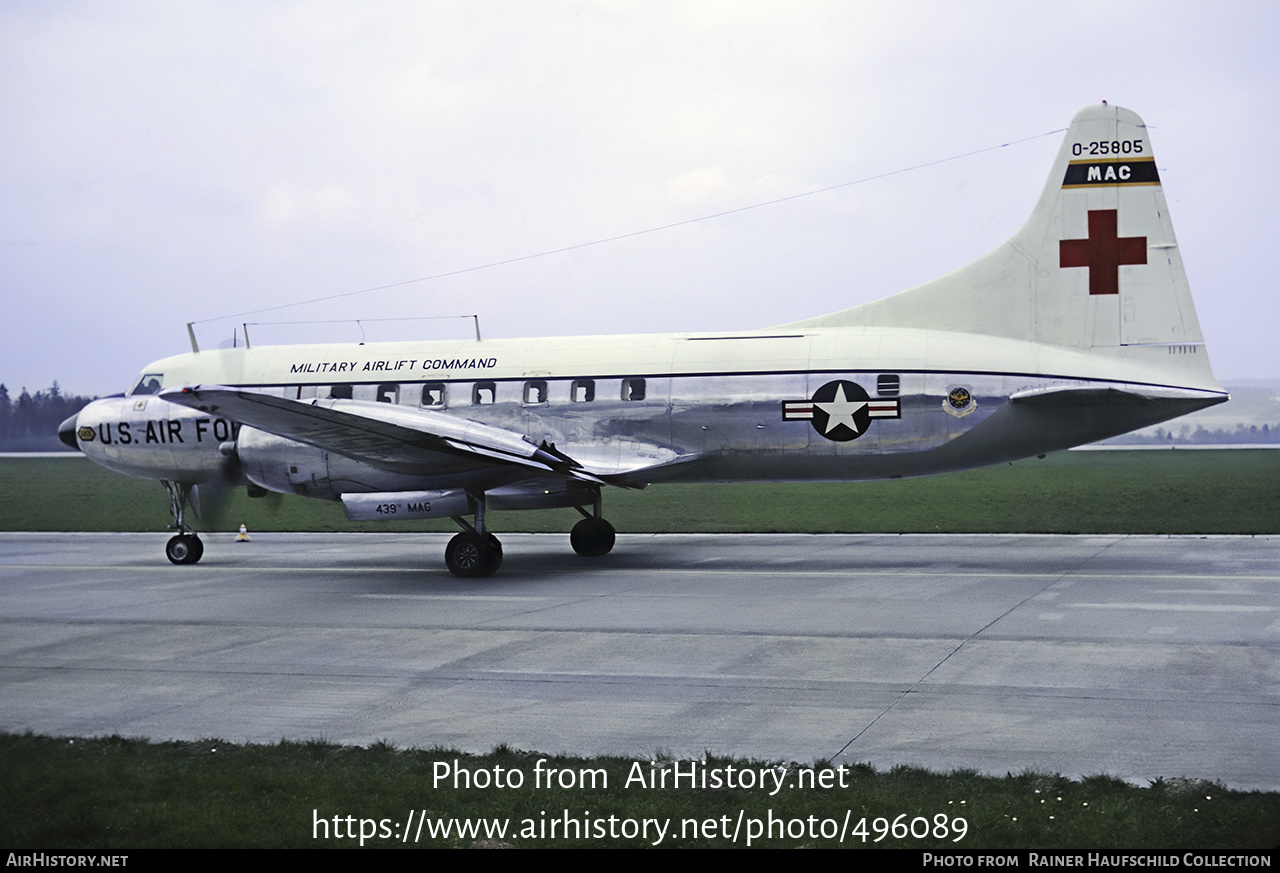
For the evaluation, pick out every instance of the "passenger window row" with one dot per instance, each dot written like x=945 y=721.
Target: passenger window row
x=536 y=391
x=533 y=392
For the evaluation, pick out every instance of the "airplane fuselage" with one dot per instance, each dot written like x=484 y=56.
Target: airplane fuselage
x=683 y=407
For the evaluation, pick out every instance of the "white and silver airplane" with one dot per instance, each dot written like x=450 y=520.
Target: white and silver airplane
x=1080 y=327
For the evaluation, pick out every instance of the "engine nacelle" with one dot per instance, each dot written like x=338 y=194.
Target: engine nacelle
x=285 y=466
x=290 y=467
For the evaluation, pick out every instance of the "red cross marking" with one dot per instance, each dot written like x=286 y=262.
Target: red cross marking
x=1103 y=252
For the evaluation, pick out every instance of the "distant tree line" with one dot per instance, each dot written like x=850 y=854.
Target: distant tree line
x=30 y=422
x=1241 y=434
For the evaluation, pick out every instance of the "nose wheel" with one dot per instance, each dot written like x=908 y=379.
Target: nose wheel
x=184 y=549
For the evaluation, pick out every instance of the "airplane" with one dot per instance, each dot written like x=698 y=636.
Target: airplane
x=1078 y=328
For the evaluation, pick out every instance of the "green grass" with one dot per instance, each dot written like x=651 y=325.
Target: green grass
x=1182 y=492
x=115 y=794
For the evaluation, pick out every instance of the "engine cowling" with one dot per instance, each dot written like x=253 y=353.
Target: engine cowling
x=289 y=467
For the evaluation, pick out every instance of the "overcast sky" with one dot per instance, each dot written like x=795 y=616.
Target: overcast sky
x=167 y=162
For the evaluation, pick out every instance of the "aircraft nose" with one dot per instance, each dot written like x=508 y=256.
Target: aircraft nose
x=67 y=432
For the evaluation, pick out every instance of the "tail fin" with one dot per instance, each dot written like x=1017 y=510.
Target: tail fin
x=1096 y=267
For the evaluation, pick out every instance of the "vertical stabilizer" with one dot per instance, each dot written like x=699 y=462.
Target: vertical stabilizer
x=1095 y=267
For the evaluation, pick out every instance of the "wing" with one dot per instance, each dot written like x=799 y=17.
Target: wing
x=398 y=438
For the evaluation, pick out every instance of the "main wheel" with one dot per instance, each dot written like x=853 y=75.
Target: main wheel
x=184 y=549
x=495 y=555
x=592 y=537
x=470 y=554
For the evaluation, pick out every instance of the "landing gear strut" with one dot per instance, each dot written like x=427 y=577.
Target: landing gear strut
x=474 y=552
x=185 y=548
x=592 y=536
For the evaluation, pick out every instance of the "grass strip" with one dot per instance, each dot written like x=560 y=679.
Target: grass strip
x=1162 y=492
x=112 y=794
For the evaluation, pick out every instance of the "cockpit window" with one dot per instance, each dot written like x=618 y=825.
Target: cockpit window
x=149 y=384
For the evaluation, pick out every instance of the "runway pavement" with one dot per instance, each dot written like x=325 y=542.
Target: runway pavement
x=1137 y=656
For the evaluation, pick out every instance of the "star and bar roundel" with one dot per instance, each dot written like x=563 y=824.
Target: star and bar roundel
x=840 y=410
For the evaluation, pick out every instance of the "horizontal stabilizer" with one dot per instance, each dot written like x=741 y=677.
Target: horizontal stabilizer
x=1051 y=419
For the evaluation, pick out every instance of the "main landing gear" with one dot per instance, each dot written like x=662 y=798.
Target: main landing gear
x=592 y=536
x=475 y=552
x=185 y=548
x=471 y=554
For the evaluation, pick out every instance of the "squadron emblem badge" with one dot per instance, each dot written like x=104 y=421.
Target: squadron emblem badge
x=959 y=402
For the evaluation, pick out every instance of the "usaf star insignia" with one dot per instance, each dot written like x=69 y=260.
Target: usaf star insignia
x=840 y=410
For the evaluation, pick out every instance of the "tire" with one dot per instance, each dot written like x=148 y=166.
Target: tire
x=470 y=555
x=495 y=555
x=184 y=549
x=592 y=537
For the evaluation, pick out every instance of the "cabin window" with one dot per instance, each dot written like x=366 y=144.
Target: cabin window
x=149 y=384
x=484 y=393
x=583 y=390
x=388 y=392
x=633 y=389
x=887 y=385
x=340 y=392
x=433 y=394
x=535 y=391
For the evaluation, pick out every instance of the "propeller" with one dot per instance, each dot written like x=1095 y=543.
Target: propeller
x=211 y=499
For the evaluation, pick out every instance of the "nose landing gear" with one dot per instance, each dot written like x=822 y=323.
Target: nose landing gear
x=186 y=547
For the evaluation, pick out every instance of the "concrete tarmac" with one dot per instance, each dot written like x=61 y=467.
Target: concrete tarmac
x=1134 y=656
